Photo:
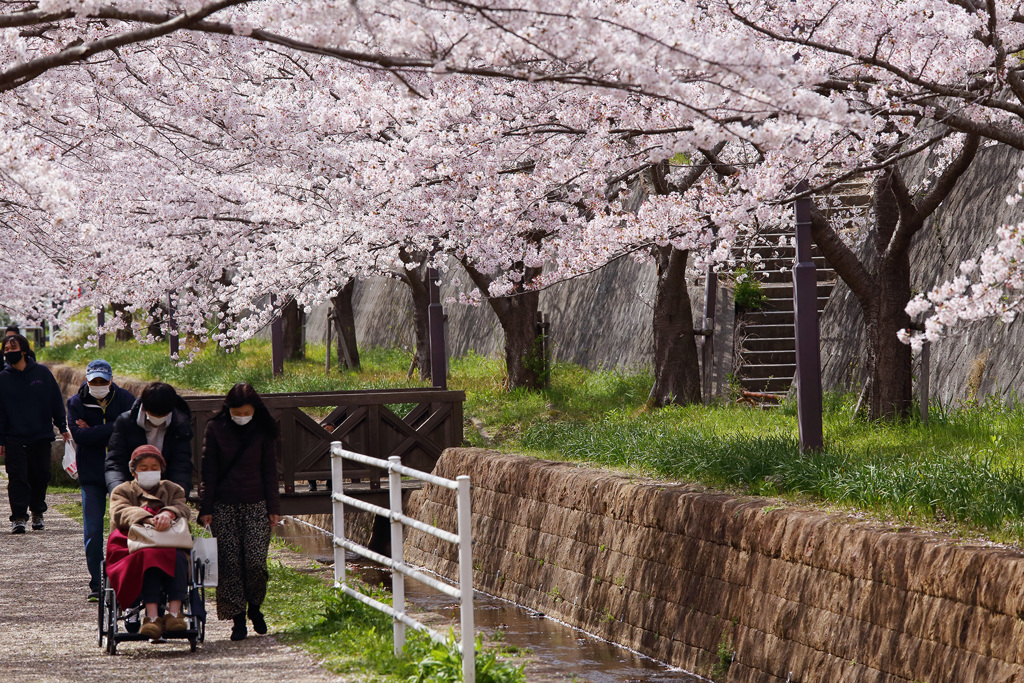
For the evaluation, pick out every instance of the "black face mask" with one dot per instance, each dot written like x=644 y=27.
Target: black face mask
x=12 y=357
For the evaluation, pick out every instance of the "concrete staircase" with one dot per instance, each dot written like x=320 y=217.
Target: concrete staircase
x=765 y=343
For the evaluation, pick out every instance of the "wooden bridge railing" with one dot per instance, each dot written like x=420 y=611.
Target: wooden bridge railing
x=414 y=424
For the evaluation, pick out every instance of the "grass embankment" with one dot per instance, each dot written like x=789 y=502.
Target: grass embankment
x=963 y=470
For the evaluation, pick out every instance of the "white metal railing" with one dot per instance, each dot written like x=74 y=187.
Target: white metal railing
x=399 y=570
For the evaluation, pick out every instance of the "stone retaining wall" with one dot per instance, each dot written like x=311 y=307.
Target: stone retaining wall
x=688 y=576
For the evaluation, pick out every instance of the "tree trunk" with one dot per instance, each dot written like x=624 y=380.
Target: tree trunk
x=420 y=288
x=523 y=356
x=517 y=315
x=676 y=370
x=416 y=277
x=890 y=360
x=124 y=333
x=293 y=322
x=345 y=326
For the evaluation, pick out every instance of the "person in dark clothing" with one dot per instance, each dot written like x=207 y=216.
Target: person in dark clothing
x=159 y=418
x=31 y=405
x=91 y=415
x=240 y=500
x=13 y=329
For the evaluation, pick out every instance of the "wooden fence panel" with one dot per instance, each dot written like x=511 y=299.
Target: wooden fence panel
x=364 y=421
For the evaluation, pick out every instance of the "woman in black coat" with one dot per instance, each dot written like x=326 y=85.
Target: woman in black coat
x=159 y=418
x=240 y=501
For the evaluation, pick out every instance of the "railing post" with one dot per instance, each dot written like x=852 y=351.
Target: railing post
x=101 y=339
x=805 y=322
x=466 y=580
x=922 y=382
x=435 y=324
x=327 y=354
x=337 y=474
x=276 y=339
x=708 y=325
x=544 y=352
x=397 y=553
x=172 y=327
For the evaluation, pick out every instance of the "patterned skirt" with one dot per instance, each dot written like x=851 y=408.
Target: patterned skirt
x=243 y=539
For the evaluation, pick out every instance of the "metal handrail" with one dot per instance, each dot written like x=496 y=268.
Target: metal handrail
x=400 y=570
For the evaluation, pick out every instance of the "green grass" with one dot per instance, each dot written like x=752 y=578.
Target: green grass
x=965 y=467
x=352 y=638
x=74 y=511
x=215 y=371
x=346 y=635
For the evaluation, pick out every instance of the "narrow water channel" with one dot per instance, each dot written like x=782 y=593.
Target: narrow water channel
x=562 y=652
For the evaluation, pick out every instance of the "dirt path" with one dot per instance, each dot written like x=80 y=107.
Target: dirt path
x=49 y=630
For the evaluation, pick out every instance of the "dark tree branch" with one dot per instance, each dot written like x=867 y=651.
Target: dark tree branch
x=23 y=72
x=842 y=258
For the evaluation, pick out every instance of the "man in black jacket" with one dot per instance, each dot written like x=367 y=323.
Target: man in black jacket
x=159 y=418
x=91 y=415
x=31 y=405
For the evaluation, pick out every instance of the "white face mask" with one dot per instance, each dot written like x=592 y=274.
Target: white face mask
x=99 y=391
x=148 y=480
x=157 y=421
x=241 y=419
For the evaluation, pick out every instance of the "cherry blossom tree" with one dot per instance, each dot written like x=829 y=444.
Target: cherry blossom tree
x=792 y=91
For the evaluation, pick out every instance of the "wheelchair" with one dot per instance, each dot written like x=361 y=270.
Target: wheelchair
x=113 y=622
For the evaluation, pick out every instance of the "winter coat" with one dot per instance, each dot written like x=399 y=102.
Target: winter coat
x=91 y=441
x=239 y=466
x=31 y=404
x=128 y=503
x=176 y=448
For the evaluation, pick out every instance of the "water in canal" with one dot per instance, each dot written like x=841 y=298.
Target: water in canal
x=561 y=651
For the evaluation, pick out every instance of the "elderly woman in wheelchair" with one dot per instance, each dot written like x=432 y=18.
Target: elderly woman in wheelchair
x=148 y=572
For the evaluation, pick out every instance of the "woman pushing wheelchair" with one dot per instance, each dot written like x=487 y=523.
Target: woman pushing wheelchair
x=149 y=572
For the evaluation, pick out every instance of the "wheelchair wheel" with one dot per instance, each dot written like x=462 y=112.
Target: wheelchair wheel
x=110 y=607
x=101 y=606
x=101 y=625
x=197 y=599
x=192 y=644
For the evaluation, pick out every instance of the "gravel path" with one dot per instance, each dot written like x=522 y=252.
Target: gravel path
x=49 y=630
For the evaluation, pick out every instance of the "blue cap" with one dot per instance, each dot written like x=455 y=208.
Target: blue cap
x=99 y=368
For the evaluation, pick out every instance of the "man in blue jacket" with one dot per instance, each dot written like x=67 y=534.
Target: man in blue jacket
x=31 y=405
x=91 y=415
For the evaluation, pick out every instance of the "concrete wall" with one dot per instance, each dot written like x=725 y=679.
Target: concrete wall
x=680 y=574
x=598 y=320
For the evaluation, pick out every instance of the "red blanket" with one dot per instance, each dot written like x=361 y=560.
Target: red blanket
x=125 y=569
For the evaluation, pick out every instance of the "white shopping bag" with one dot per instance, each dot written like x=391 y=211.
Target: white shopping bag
x=205 y=550
x=70 y=462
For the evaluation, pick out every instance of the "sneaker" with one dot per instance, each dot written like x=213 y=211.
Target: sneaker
x=37 y=523
x=94 y=596
x=174 y=623
x=259 y=624
x=18 y=526
x=152 y=628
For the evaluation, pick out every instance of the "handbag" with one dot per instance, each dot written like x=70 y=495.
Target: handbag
x=70 y=462
x=205 y=551
x=142 y=536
